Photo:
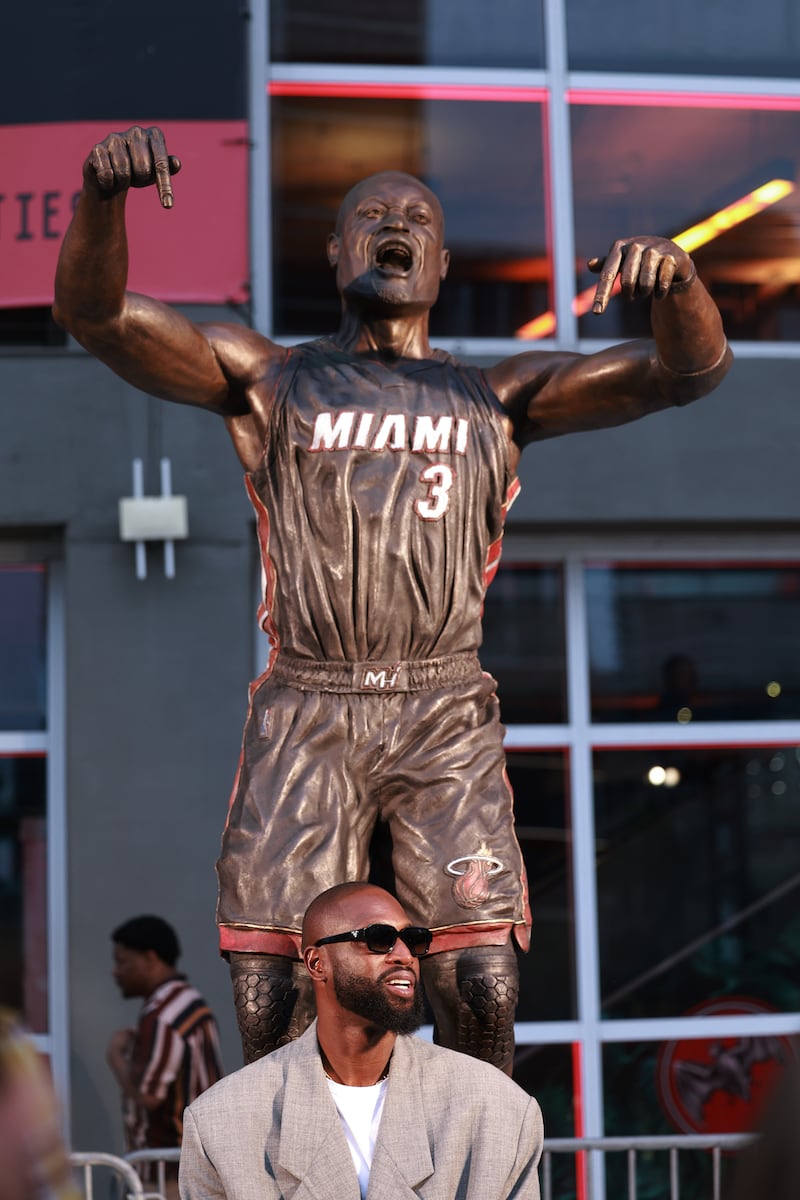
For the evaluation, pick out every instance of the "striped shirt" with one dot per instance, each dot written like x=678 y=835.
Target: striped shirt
x=174 y=1058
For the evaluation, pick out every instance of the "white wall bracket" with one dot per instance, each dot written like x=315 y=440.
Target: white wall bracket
x=161 y=518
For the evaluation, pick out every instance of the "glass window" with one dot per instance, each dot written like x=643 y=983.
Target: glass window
x=693 y=1086
x=550 y=1073
x=424 y=32
x=523 y=642
x=539 y=780
x=23 y=888
x=649 y=165
x=697 y=877
x=694 y=643
x=468 y=152
x=684 y=37
x=22 y=648
x=637 y=1103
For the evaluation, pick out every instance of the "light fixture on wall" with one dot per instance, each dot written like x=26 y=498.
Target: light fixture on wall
x=144 y=519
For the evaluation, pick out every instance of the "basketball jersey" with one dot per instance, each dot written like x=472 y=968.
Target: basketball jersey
x=380 y=503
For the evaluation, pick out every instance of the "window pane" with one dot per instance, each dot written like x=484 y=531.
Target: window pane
x=23 y=888
x=684 y=37
x=468 y=152
x=641 y=168
x=22 y=648
x=425 y=32
x=541 y=805
x=648 y=1086
x=685 y=643
x=697 y=876
x=637 y=1104
x=548 y=1073
x=523 y=643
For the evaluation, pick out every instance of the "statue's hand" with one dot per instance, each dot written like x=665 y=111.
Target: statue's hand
x=647 y=266
x=136 y=158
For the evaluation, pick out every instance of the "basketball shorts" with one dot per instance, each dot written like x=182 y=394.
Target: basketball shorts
x=335 y=753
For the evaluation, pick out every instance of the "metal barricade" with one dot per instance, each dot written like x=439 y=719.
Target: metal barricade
x=633 y=1148
x=160 y=1158
x=84 y=1164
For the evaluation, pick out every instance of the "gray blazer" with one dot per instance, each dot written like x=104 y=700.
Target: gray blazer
x=452 y=1128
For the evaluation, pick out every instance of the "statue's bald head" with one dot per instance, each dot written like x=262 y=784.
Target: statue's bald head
x=374 y=183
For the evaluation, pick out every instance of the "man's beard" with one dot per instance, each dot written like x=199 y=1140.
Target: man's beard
x=366 y=999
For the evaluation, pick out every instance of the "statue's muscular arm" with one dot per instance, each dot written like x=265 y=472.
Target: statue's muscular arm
x=547 y=394
x=154 y=347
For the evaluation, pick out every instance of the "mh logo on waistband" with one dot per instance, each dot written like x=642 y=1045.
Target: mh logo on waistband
x=379 y=679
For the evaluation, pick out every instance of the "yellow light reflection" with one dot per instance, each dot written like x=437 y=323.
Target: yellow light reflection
x=689 y=239
x=773 y=689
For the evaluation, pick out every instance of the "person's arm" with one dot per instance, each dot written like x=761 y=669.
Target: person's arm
x=118 y=1056
x=149 y=344
x=523 y=1182
x=197 y=1176
x=688 y=356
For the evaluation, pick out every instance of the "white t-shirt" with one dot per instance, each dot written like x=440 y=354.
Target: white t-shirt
x=360 y=1111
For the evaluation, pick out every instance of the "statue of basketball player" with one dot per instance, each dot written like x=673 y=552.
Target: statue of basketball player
x=380 y=471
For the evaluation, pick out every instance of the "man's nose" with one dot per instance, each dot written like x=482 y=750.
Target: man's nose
x=400 y=953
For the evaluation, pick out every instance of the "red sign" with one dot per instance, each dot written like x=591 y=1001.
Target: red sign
x=195 y=252
x=719 y=1085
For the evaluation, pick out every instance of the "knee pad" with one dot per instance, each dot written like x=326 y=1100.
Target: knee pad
x=273 y=1000
x=487 y=978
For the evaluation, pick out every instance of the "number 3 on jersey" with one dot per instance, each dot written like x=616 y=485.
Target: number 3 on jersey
x=439 y=478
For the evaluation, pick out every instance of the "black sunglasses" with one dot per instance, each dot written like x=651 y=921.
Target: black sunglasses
x=380 y=939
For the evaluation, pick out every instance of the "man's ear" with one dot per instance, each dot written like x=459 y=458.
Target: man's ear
x=315 y=964
x=333 y=249
x=445 y=264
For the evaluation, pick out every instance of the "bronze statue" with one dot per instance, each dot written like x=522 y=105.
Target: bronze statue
x=380 y=471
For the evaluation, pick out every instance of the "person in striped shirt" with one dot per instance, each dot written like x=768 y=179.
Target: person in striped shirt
x=172 y=1055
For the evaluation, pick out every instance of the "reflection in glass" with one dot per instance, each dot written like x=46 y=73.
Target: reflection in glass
x=550 y=1074
x=22 y=648
x=698 y=877
x=688 y=643
x=652 y=168
x=466 y=151
x=424 y=32
x=524 y=645
x=684 y=38
x=23 y=888
x=539 y=780
x=636 y=1104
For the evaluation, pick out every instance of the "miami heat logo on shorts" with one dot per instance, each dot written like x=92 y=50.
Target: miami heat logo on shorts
x=471 y=876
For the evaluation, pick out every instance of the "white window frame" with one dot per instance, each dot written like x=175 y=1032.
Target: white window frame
x=579 y=737
x=556 y=78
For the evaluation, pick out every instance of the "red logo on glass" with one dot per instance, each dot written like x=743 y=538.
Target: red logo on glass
x=719 y=1085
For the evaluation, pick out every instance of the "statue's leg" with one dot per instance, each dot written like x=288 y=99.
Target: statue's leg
x=274 y=1001
x=473 y=994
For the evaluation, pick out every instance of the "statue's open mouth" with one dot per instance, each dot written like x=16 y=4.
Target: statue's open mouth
x=394 y=256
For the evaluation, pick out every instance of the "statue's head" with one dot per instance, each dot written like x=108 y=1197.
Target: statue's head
x=388 y=249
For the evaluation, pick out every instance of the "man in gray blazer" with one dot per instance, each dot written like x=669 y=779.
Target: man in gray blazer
x=356 y=1107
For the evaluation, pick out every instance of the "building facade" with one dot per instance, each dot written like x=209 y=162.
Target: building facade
x=644 y=624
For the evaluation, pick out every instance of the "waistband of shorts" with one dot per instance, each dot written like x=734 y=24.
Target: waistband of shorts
x=417 y=675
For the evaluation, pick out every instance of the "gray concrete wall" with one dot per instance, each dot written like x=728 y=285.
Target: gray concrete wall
x=156 y=689
x=157 y=670
x=728 y=459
